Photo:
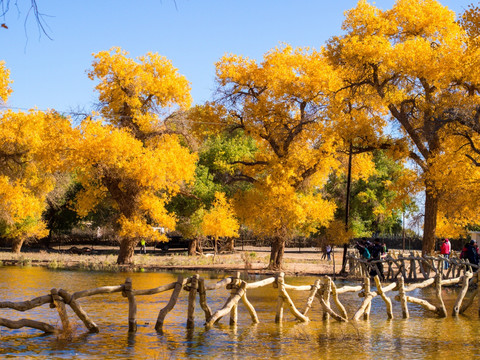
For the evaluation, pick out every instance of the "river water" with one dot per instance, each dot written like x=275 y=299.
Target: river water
x=422 y=336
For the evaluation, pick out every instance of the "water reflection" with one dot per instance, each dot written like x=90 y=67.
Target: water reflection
x=422 y=336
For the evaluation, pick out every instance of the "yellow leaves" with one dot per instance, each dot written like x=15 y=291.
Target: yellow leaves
x=33 y=146
x=336 y=234
x=4 y=82
x=220 y=220
x=135 y=92
x=136 y=227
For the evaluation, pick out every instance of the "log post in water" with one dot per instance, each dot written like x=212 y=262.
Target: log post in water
x=250 y=308
x=132 y=305
x=233 y=289
x=232 y=300
x=202 y=295
x=58 y=303
x=286 y=298
x=339 y=305
x=279 y=309
x=461 y=295
x=191 y=301
x=386 y=299
x=171 y=303
x=327 y=288
x=402 y=297
x=442 y=311
x=311 y=296
x=78 y=310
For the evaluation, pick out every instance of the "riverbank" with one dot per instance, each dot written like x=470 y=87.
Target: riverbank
x=252 y=260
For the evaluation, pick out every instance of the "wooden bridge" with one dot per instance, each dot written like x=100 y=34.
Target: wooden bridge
x=323 y=289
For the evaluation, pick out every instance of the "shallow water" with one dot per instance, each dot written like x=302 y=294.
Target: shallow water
x=423 y=336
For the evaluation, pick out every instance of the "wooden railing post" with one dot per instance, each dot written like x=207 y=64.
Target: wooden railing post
x=132 y=305
x=441 y=310
x=171 y=303
x=58 y=303
x=403 y=297
x=78 y=310
x=191 y=302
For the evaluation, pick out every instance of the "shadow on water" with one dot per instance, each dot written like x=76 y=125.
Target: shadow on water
x=423 y=336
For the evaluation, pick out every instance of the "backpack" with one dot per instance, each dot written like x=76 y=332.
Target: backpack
x=366 y=254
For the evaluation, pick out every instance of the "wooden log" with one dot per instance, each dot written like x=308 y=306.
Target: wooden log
x=340 y=307
x=326 y=307
x=402 y=297
x=191 y=301
x=234 y=311
x=441 y=310
x=327 y=289
x=385 y=298
x=451 y=281
x=286 y=298
x=298 y=288
x=261 y=283
x=279 y=310
x=425 y=304
x=78 y=310
x=219 y=284
x=132 y=305
x=421 y=285
x=422 y=270
x=311 y=296
x=461 y=295
x=18 y=324
x=100 y=290
x=171 y=303
x=202 y=295
x=250 y=308
x=413 y=265
x=26 y=305
x=346 y=289
x=155 y=290
x=232 y=300
x=390 y=270
x=366 y=302
x=62 y=311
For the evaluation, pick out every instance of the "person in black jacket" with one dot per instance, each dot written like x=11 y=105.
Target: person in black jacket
x=471 y=252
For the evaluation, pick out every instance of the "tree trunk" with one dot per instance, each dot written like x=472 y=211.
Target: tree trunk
x=430 y=222
x=17 y=245
x=192 y=247
x=276 y=254
x=127 y=250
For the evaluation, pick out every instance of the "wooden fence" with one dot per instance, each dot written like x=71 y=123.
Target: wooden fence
x=412 y=267
x=323 y=289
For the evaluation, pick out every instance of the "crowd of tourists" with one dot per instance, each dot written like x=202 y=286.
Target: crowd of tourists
x=373 y=251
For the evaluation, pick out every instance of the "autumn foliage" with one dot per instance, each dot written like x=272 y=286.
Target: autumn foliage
x=269 y=151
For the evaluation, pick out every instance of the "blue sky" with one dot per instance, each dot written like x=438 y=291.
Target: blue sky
x=193 y=34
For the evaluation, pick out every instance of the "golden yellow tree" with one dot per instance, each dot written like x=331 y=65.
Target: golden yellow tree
x=33 y=147
x=283 y=103
x=128 y=157
x=411 y=59
x=220 y=220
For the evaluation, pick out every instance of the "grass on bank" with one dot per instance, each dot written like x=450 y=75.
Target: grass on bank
x=141 y=261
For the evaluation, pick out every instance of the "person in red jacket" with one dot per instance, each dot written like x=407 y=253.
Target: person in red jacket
x=445 y=249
